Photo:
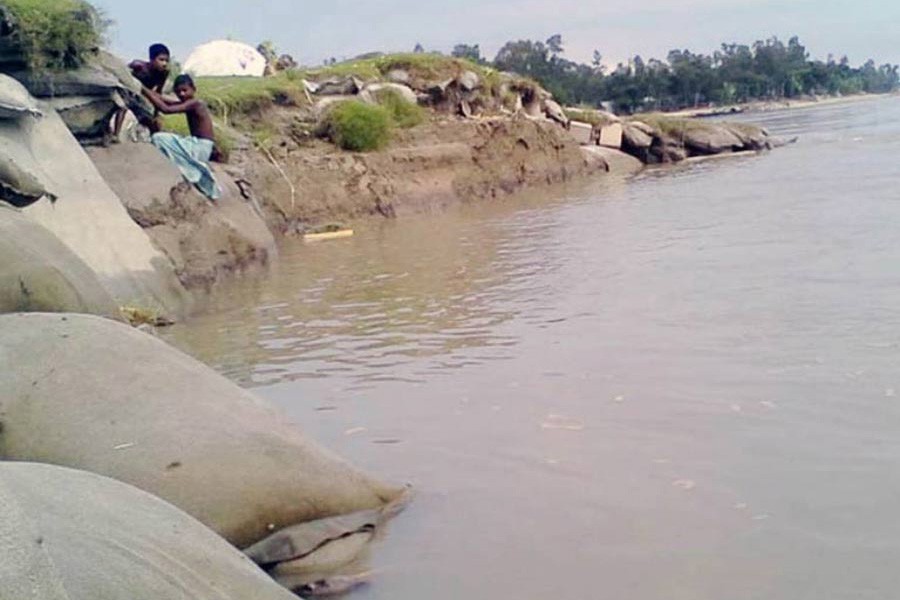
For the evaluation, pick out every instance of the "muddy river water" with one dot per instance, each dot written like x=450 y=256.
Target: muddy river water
x=685 y=386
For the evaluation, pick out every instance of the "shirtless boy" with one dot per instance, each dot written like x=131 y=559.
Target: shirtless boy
x=152 y=75
x=190 y=154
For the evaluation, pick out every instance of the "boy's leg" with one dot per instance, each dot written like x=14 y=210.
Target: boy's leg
x=191 y=156
x=117 y=124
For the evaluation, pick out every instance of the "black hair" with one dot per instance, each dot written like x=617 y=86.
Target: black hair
x=183 y=80
x=157 y=49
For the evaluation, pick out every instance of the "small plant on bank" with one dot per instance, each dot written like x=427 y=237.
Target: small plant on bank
x=359 y=127
x=53 y=34
x=404 y=113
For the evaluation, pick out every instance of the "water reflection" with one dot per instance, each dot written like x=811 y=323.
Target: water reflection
x=398 y=302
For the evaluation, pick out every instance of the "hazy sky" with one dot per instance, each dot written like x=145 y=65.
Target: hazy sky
x=313 y=31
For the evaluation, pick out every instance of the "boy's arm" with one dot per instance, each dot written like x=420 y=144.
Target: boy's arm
x=170 y=109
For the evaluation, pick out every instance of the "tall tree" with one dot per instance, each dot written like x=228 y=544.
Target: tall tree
x=469 y=52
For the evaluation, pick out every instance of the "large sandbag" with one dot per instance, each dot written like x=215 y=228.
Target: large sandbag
x=15 y=101
x=99 y=396
x=88 y=217
x=70 y=535
x=38 y=273
x=18 y=186
x=86 y=98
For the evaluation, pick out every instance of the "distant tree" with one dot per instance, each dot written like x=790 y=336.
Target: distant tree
x=555 y=46
x=525 y=57
x=469 y=52
x=733 y=73
x=419 y=49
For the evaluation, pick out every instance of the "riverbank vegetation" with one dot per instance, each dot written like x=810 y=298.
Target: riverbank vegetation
x=52 y=34
x=359 y=127
x=736 y=73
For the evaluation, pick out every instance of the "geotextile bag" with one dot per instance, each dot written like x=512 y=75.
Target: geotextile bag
x=99 y=396
x=40 y=273
x=71 y=535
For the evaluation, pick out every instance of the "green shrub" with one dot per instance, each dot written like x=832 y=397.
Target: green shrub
x=54 y=34
x=405 y=114
x=359 y=127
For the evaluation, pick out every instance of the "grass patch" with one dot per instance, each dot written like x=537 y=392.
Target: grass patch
x=747 y=129
x=404 y=114
x=426 y=67
x=359 y=127
x=672 y=126
x=229 y=96
x=54 y=34
x=589 y=116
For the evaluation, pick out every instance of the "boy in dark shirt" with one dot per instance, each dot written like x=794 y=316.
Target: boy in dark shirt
x=190 y=154
x=152 y=75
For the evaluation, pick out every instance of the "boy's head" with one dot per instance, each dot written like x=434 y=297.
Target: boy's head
x=184 y=88
x=159 y=57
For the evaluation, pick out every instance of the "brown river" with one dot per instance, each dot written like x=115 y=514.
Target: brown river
x=684 y=386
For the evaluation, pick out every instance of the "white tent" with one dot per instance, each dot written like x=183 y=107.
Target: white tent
x=225 y=58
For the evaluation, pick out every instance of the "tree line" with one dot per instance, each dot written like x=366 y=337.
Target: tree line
x=766 y=70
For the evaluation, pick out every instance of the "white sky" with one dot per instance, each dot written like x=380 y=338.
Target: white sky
x=313 y=31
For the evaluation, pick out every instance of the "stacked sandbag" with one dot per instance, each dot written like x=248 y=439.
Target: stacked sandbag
x=43 y=168
x=96 y=395
x=87 y=98
x=38 y=273
x=71 y=535
x=18 y=186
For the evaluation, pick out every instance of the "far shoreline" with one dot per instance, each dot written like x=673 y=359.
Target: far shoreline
x=765 y=106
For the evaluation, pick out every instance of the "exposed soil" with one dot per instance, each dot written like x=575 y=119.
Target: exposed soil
x=442 y=162
x=296 y=182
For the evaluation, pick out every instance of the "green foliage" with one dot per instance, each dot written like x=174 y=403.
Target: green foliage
x=404 y=114
x=768 y=69
x=358 y=126
x=423 y=66
x=468 y=52
x=231 y=96
x=54 y=34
